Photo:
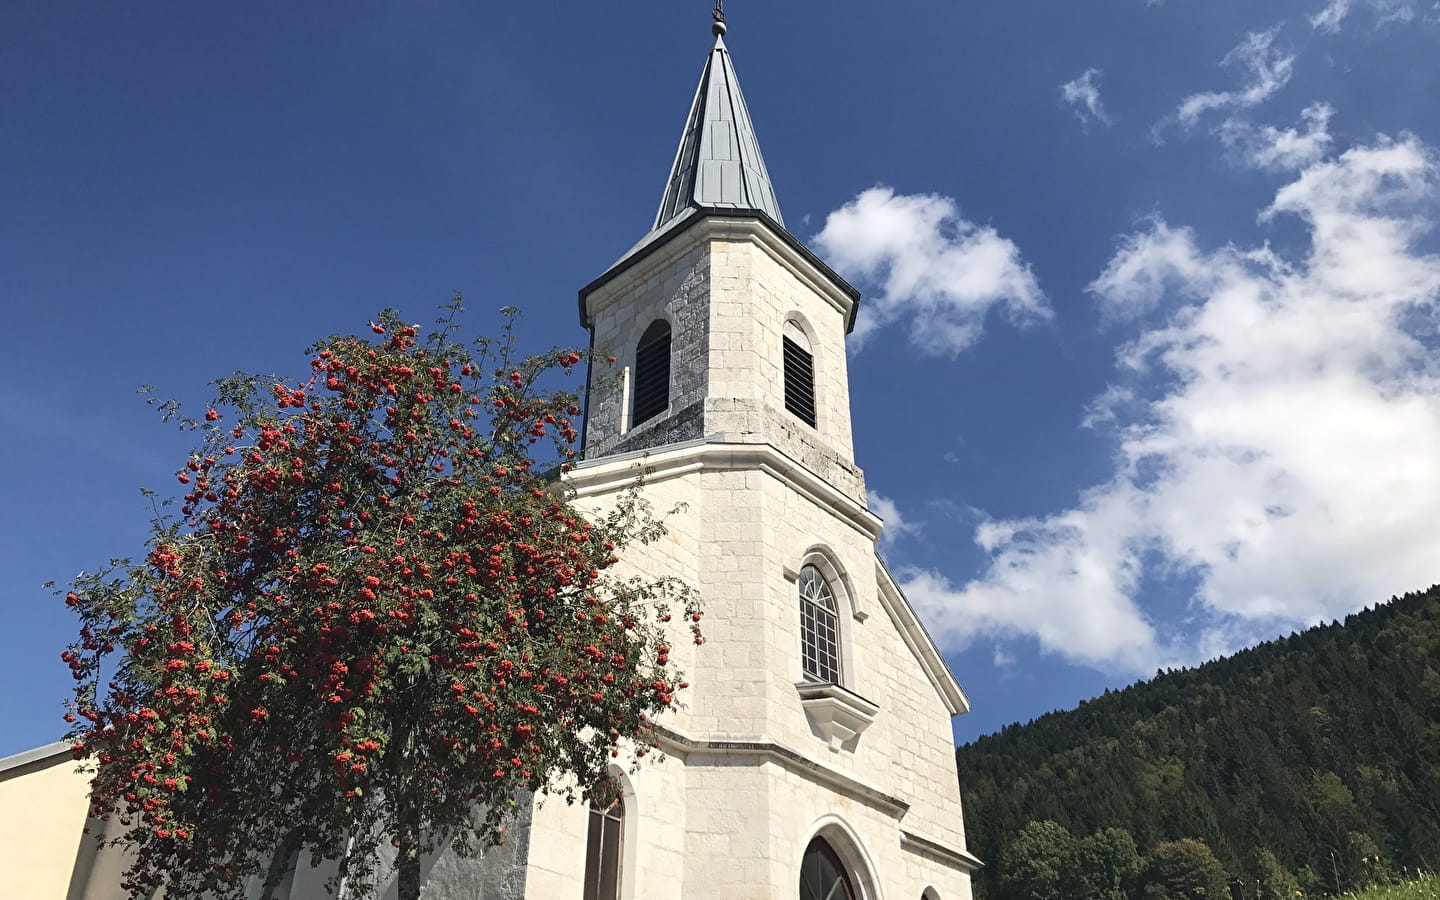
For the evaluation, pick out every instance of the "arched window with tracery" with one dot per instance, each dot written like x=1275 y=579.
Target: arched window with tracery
x=822 y=875
x=819 y=627
x=652 y=373
x=602 y=851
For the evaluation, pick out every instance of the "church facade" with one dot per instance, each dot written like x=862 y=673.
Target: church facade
x=813 y=756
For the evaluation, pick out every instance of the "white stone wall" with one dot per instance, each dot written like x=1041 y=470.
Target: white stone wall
x=749 y=780
x=674 y=285
x=709 y=826
x=753 y=294
x=727 y=288
x=715 y=823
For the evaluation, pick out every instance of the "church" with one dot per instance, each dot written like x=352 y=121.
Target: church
x=813 y=757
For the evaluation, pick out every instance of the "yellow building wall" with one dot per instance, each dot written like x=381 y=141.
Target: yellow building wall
x=43 y=807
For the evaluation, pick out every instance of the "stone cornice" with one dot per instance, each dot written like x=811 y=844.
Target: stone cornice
x=741 y=225
x=599 y=476
x=693 y=751
x=958 y=859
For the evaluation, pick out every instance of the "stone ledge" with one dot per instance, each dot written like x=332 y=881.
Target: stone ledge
x=956 y=859
x=716 y=453
x=838 y=714
x=687 y=749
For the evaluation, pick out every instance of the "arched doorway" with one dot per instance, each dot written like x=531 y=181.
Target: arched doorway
x=822 y=875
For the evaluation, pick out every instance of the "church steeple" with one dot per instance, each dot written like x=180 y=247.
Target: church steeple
x=718 y=164
x=725 y=328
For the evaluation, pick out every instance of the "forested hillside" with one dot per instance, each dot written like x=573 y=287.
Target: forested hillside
x=1322 y=748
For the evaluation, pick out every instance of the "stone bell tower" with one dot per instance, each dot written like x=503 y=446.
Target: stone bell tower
x=813 y=756
x=750 y=312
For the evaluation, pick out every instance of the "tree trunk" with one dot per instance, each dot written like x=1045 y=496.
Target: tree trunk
x=408 y=861
x=279 y=864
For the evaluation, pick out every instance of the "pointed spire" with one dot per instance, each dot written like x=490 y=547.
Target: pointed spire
x=718 y=165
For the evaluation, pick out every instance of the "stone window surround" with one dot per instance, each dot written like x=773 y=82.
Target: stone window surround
x=842 y=589
x=836 y=711
x=797 y=328
x=846 y=844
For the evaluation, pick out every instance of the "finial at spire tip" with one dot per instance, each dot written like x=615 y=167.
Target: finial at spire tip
x=718 y=28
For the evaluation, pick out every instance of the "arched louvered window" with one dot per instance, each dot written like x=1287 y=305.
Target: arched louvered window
x=822 y=875
x=819 y=628
x=799 y=373
x=652 y=373
x=602 y=852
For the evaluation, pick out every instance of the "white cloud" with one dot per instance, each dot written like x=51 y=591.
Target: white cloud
x=1083 y=96
x=1266 y=71
x=1277 y=432
x=895 y=525
x=1003 y=660
x=1151 y=263
x=1269 y=147
x=928 y=267
x=1329 y=18
x=1386 y=12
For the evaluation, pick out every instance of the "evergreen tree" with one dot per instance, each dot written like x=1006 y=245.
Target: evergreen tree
x=1290 y=746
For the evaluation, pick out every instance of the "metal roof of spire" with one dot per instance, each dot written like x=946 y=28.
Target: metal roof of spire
x=718 y=164
x=718 y=172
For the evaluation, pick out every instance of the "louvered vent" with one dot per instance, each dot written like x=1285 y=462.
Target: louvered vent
x=799 y=382
x=652 y=373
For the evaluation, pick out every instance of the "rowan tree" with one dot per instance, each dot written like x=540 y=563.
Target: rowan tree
x=375 y=620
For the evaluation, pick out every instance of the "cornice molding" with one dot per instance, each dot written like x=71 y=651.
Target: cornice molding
x=957 y=859
x=740 y=225
x=693 y=753
x=606 y=474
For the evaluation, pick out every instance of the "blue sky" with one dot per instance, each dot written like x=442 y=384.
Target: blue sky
x=1145 y=370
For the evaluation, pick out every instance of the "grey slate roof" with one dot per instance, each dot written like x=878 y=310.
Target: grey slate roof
x=718 y=164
